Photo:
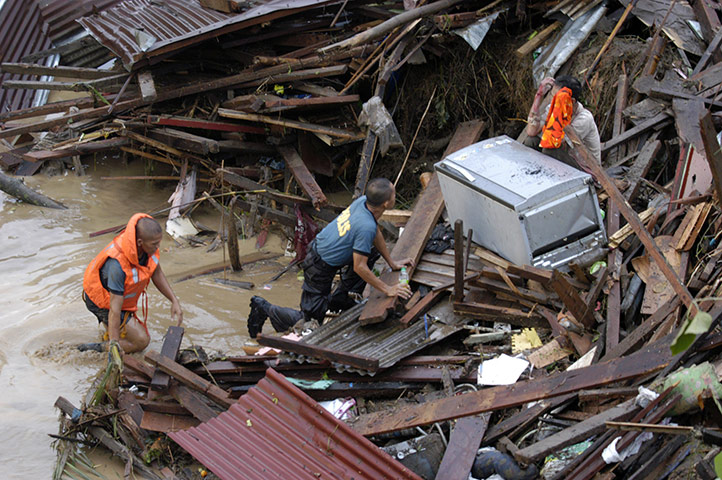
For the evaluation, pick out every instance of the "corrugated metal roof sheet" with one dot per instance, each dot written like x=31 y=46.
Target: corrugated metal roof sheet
x=61 y=15
x=387 y=342
x=138 y=29
x=21 y=33
x=277 y=431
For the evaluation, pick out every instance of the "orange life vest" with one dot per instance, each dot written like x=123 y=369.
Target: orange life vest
x=123 y=248
x=560 y=115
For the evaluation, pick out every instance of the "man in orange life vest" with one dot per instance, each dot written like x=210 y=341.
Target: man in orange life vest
x=117 y=278
x=564 y=109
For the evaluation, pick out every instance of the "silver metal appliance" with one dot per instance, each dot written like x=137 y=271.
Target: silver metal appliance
x=523 y=205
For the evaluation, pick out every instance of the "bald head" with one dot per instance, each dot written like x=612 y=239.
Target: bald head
x=148 y=228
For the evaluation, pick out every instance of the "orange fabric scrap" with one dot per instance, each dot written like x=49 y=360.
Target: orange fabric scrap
x=560 y=115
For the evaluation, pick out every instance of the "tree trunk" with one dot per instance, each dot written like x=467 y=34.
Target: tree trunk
x=19 y=190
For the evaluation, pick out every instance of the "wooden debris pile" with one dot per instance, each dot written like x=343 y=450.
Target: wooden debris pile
x=593 y=336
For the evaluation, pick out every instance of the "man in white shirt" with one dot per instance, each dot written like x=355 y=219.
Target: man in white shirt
x=582 y=121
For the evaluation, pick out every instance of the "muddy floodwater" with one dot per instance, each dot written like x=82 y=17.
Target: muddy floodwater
x=43 y=254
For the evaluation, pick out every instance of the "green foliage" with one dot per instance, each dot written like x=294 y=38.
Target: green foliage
x=692 y=327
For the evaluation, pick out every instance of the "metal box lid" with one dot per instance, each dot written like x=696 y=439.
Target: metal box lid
x=512 y=173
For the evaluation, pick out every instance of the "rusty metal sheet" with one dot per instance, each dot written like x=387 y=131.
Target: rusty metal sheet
x=21 y=33
x=61 y=15
x=138 y=30
x=277 y=431
x=388 y=342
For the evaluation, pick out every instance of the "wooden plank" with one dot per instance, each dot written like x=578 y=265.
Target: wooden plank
x=320 y=72
x=189 y=378
x=313 y=101
x=586 y=160
x=103 y=84
x=644 y=362
x=309 y=127
x=655 y=121
x=539 y=39
x=163 y=422
x=188 y=122
x=524 y=419
x=494 y=313
x=576 y=433
x=461 y=451
x=184 y=141
x=644 y=329
x=421 y=307
x=459 y=261
x=418 y=229
x=572 y=300
x=170 y=349
x=712 y=48
x=77 y=149
x=59 y=71
x=193 y=402
x=300 y=172
x=302 y=348
x=712 y=151
x=688 y=231
x=614 y=299
x=640 y=167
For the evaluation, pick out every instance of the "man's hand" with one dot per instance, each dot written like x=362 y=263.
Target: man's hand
x=402 y=291
x=406 y=262
x=115 y=354
x=545 y=86
x=176 y=312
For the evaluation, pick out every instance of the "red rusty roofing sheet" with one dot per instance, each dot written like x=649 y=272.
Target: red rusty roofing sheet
x=21 y=33
x=277 y=431
x=175 y=24
x=61 y=15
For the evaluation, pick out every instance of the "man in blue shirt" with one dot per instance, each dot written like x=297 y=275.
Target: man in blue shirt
x=351 y=243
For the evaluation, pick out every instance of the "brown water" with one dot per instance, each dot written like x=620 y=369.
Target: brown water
x=43 y=254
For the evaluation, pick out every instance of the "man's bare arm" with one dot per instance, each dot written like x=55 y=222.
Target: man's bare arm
x=161 y=282
x=360 y=266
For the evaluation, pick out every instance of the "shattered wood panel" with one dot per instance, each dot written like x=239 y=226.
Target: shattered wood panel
x=419 y=227
x=461 y=451
x=303 y=176
x=658 y=290
x=496 y=398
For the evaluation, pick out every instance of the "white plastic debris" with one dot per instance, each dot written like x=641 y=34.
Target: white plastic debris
x=645 y=397
x=378 y=119
x=503 y=370
x=611 y=455
x=340 y=407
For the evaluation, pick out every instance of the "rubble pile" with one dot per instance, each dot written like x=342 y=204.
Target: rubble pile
x=604 y=367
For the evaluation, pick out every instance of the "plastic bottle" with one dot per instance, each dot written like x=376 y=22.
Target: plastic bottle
x=403 y=277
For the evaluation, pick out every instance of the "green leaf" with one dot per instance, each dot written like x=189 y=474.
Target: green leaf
x=718 y=465
x=688 y=332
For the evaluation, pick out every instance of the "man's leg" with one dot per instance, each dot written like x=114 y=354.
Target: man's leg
x=350 y=283
x=133 y=335
x=533 y=142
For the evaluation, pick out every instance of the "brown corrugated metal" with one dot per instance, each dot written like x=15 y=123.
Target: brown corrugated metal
x=21 y=32
x=275 y=431
x=383 y=342
x=61 y=15
x=176 y=24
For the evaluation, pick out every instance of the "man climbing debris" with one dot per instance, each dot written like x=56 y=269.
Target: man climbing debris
x=117 y=278
x=351 y=244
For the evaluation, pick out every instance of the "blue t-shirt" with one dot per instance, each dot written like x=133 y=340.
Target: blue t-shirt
x=353 y=230
x=112 y=276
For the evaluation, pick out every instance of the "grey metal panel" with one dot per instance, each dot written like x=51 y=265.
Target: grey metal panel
x=385 y=341
x=174 y=24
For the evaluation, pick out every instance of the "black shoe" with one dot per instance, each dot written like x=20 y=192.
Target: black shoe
x=97 y=347
x=258 y=315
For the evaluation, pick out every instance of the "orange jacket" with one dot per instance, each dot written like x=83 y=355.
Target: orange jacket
x=123 y=248
x=560 y=115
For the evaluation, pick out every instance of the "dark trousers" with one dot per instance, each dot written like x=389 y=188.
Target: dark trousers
x=316 y=296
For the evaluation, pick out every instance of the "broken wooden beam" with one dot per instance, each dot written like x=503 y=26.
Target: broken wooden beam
x=187 y=122
x=639 y=169
x=315 y=351
x=170 y=349
x=189 y=378
x=586 y=160
x=493 y=313
x=305 y=179
x=644 y=362
x=656 y=121
x=312 y=102
x=418 y=229
x=185 y=141
x=461 y=451
x=309 y=127
x=712 y=151
x=77 y=149
x=538 y=39
x=572 y=300
x=59 y=71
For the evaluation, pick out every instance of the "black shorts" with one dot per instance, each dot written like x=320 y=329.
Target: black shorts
x=102 y=313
